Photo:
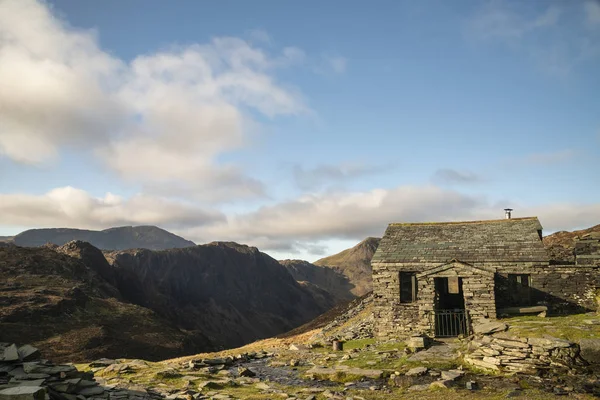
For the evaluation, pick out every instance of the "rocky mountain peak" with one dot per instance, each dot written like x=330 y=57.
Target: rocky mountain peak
x=355 y=263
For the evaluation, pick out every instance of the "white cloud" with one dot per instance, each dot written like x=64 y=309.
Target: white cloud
x=292 y=226
x=163 y=117
x=53 y=85
x=71 y=207
x=302 y=225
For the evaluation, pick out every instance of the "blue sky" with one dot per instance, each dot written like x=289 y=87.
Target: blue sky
x=298 y=127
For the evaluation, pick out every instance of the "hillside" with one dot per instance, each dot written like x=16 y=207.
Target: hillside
x=355 y=263
x=232 y=293
x=147 y=304
x=64 y=306
x=121 y=238
x=560 y=245
x=328 y=279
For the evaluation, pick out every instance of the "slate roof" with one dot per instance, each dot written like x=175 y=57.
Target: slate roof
x=507 y=240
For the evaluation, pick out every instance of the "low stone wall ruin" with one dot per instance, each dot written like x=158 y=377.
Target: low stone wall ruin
x=498 y=350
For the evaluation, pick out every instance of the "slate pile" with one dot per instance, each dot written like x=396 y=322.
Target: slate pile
x=25 y=376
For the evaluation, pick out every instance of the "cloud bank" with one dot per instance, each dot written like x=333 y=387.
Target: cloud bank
x=162 y=118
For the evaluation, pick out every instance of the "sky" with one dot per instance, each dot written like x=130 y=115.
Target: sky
x=297 y=127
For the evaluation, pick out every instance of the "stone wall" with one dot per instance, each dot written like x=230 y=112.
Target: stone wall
x=395 y=319
x=563 y=288
x=505 y=352
x=587 y=250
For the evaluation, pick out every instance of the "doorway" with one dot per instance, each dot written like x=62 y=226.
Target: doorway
x=450 y=314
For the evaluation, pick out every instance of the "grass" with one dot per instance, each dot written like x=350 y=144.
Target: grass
x=358 y=344
x=456 y=394
x=568 y=327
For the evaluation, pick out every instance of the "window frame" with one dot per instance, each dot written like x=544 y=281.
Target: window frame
x=403 y=276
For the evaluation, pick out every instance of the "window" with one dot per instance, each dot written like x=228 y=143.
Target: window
x=408 y=287
x=519 y=286
x=519 y=279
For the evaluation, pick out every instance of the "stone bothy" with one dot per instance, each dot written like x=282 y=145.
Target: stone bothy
x=436 y=278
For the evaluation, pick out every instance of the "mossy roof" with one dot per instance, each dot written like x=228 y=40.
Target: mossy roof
x=502 y=240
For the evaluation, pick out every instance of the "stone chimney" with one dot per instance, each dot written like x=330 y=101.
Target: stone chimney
x=507 y=212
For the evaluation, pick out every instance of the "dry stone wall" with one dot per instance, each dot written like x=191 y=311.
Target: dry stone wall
x=501 y=351
x=563 y=288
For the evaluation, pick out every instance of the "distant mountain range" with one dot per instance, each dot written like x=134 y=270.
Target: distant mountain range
x=76 y=303
x=121 y=238
x=85 y=303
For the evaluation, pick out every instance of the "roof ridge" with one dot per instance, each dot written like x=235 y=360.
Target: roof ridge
x=464 y=222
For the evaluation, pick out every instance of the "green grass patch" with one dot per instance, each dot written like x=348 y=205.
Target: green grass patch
x=358 y=344
x=568 y=327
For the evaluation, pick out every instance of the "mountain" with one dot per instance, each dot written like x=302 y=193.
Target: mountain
x=355 y=263
x=232 y=293
x=58 y=300
x=125 y=237
x=561 y=244
x=331 y=280
x=6 y=238
x=72 y=303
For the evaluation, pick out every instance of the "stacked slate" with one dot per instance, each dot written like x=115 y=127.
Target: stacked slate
x=508 y=353
x=25 y=376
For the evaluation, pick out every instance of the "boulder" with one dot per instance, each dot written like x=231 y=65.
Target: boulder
x=246 y=372
x=210 y=385
x=487 y=328
x=417 y=371
x=590 y=350
x=11 y=353
x=23 y=393
x=444 y=384
x=416 y=342
x=549 y=342
x=91 y=391
x=453 y=374
x=29 y=353
x=262 y=386
x=102 y=362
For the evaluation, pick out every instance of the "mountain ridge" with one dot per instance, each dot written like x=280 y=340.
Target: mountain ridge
x=115 y=238
x=355 y=263
x=85 y=304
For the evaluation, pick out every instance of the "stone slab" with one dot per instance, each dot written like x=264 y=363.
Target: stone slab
x=23 y=393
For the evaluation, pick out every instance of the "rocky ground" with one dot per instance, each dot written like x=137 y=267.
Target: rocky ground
x=295 y=367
